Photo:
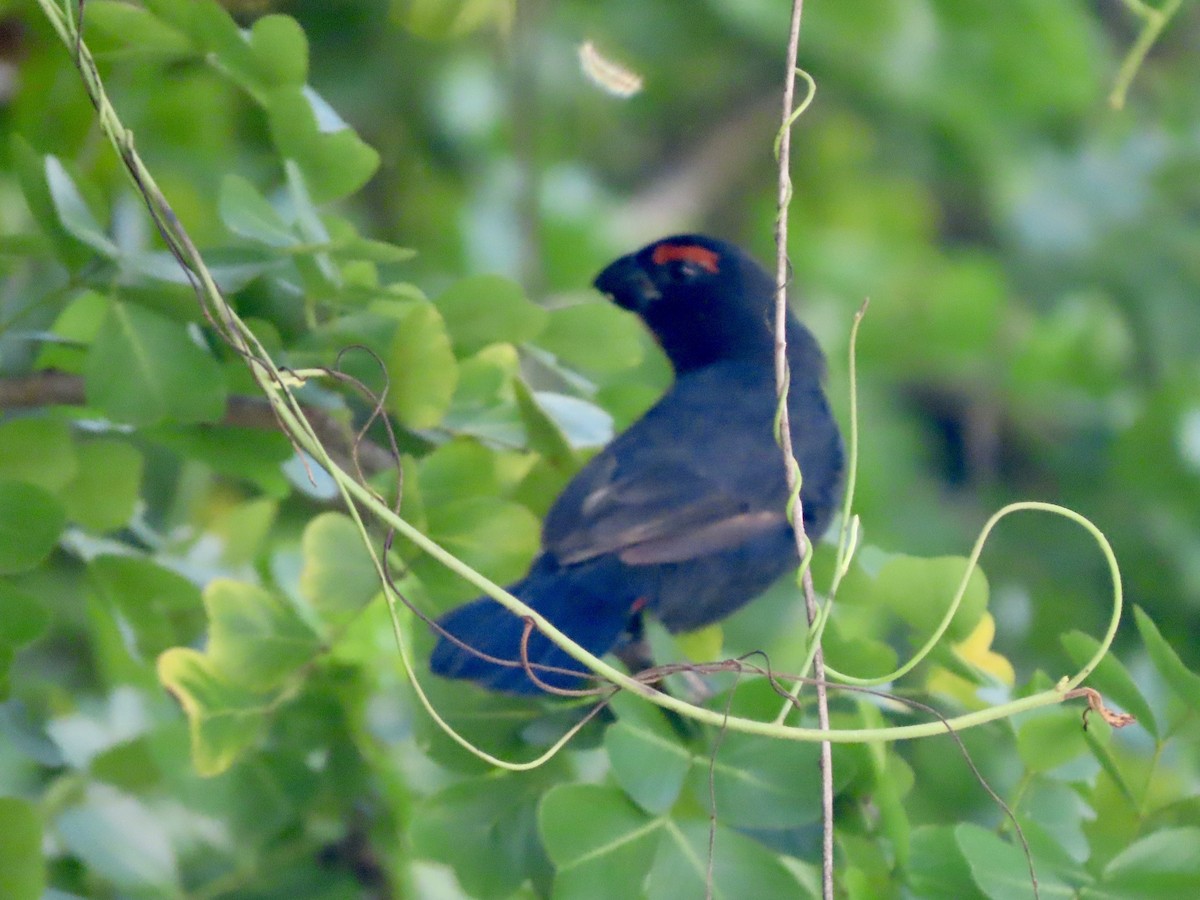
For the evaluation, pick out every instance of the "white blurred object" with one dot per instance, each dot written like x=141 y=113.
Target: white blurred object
x=607 y=75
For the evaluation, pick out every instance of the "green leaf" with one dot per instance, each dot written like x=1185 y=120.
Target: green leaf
x=919 y=590
x=143 y=368
x=184 y=15
x=104 y=493
x=318 y=272
x=1183 y=682
x=1163 y=864
x=280 y=49
x=338 y=577
x=584 y=424
x=135 y=28
x=888 y=782
x=483 y=404
x=647 y=758
x=160 y=608
x=858 y=655
x=30 y=522
x=488 y=309
x=441 y=19
x=247 y=453
x=73 y=212
x=1000 y=869
x=360 y=248
x=492 y=536
x=335 y=163
x=247 y=213
x=129 y=766
x=486 y=830
x=76 y=327
x=544 y=434
x=937 y=869
x=495 y=722
x=1110 y=678
x=24 y=620
x=601 y=844
x=30 y=169
x=255 y=639
x=38 y=450
x=741 y=867
x=456 y=469
x=202 y=20
x=308 y=218
x=421 y=366
x=761 y=783
x=223 y=718
x=121 y=840
x=157 y=276
x=595 y=336
x=703 y=644
x=244 y=529
x=1050 y=738
x=630 y=394
x=22 y=867
x=273 y=53
x=1054 y=816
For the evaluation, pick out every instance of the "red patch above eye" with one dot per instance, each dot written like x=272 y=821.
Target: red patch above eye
x=701 y=256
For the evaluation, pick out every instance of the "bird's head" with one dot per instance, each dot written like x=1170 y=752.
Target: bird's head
x=705 y=300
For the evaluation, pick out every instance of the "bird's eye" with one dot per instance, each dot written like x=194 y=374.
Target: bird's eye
x=686 y=262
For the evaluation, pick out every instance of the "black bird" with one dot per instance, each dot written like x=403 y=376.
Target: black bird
x=683 y=514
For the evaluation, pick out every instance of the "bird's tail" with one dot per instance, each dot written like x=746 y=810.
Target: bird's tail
x=589 y=604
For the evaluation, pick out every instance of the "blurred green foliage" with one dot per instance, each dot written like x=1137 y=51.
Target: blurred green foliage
x=437 y=181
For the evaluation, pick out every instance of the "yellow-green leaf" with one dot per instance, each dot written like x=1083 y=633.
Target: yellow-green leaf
x=223 y=718
x=421 y=366
x=255 y=639
x=104 y=492
x=338 y=577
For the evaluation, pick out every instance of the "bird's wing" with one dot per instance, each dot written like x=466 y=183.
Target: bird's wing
x=670 y=490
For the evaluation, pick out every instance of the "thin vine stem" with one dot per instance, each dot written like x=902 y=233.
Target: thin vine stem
x=1154 y=20
x=783 y=150
x=850 y=531
x=972 y=564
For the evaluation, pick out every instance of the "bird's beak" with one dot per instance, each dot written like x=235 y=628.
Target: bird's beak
x=628 y=284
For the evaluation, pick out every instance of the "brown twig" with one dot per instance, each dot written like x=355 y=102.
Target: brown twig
x=54 y=388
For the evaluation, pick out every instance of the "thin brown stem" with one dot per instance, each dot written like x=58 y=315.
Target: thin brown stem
x=785 y=436
x=50 y=387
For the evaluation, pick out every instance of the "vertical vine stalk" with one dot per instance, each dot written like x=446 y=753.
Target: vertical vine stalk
x=784 y=146
x=1154 y=20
